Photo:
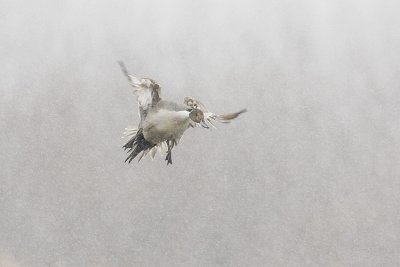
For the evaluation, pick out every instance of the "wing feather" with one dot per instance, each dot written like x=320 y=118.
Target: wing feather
x=209 y=117
x=146 y=90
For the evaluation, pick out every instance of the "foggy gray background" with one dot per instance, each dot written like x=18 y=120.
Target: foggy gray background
x=308 y=177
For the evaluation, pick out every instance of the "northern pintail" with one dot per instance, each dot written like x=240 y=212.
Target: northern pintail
x=162 y=123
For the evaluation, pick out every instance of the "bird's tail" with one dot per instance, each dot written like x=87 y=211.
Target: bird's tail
x=136 y=145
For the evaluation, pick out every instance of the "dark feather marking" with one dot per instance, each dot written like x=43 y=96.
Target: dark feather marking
x=136 y=145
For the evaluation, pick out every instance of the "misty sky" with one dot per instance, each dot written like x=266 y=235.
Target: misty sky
x=309 y=176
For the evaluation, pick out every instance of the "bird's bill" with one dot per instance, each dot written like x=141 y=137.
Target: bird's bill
x=204 y=124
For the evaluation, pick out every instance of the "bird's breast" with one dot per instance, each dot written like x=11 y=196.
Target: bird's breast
x=165 y=125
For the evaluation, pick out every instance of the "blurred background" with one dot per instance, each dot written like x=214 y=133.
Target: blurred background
x=309 y=176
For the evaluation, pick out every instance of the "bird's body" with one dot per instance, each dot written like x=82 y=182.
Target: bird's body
x=164 y=122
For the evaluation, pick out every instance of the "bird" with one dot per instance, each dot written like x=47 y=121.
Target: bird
x=162 y=122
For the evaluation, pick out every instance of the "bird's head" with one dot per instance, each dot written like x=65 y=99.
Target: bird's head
x=196 y=115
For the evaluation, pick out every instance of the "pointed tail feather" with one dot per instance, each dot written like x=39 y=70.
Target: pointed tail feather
x=136 y=145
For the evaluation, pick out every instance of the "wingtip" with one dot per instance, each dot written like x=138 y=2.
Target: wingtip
x=121 y=64
x=227 y=117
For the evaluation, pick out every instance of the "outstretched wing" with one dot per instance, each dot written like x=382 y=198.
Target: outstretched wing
x=146 y=90
x=209 y=117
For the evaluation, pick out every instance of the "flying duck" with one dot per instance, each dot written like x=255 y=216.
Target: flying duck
x=162 y=122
